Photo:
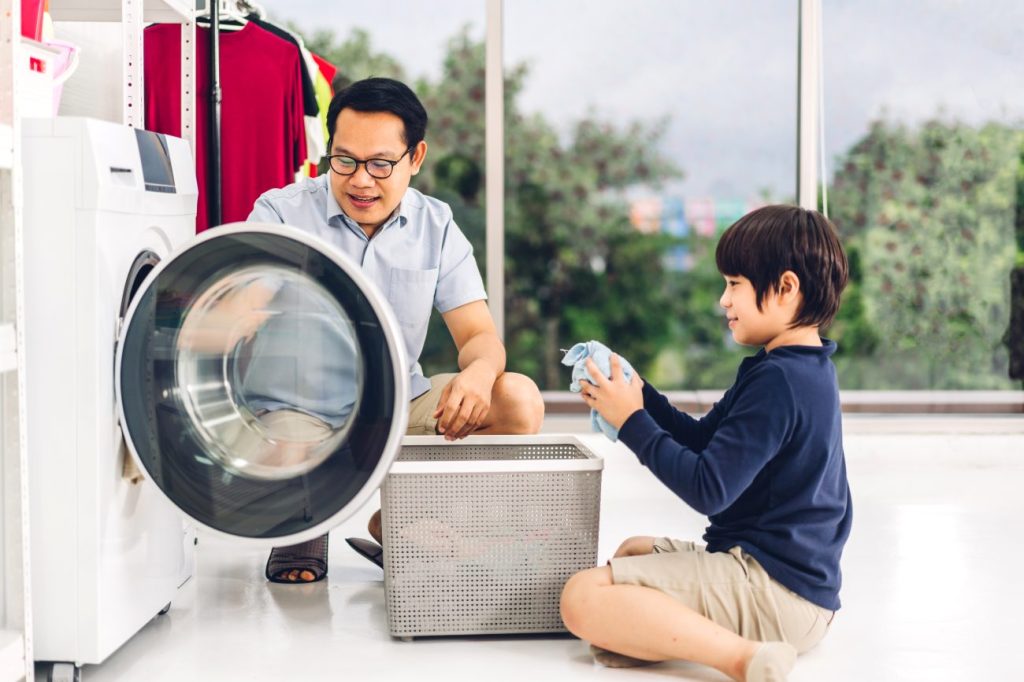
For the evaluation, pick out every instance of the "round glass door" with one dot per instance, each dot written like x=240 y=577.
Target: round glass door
x=261 y=383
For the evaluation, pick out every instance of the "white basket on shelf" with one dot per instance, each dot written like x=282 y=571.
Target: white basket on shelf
x=47 y=66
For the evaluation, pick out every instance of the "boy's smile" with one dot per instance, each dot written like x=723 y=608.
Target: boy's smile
x=740 y=302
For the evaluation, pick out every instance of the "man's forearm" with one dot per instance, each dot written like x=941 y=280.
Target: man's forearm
x=485 y=347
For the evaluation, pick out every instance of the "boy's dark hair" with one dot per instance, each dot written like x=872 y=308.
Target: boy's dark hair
x=771 y=240
x=381 y=94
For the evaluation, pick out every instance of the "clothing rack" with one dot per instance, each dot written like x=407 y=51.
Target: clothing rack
x=214 y=189
x=236 y=10
x=222 y=15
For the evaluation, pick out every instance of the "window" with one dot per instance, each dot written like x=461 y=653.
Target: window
x=923 y=120
x=633 y=137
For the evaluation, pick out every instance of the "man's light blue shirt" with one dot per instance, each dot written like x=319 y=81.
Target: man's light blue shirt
x=419 y=258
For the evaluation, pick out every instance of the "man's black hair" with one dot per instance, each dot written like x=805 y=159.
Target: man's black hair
x=767 y=242
x=381 y=94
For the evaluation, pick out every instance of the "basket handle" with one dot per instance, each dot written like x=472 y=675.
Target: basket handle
x=69 y=70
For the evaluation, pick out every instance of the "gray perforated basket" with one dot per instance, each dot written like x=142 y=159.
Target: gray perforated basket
x=481 y=535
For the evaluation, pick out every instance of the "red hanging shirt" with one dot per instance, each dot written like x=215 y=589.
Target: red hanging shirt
x=263 y=138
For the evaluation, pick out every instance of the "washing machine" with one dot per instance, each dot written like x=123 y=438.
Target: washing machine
x=248 y=382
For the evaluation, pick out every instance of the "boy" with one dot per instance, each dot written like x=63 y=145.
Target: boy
x=765 y=464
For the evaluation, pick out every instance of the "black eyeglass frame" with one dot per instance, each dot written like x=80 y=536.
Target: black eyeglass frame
x=365 y=164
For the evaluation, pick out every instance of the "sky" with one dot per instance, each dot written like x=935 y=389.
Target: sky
x=725 y=73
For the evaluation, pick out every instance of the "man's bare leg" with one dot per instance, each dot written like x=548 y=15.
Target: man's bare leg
x=296 y=436
x=516 y=407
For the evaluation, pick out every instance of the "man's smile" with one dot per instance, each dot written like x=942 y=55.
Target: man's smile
x=363 y=201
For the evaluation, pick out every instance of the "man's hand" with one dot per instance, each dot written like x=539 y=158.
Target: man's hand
x=465 y=401
x=614 y=399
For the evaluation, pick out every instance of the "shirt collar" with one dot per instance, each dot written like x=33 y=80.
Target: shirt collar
x=332 y=210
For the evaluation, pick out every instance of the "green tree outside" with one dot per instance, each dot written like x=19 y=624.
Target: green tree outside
x=928 y=213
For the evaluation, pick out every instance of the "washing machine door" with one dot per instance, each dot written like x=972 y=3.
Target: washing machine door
x=261 y=383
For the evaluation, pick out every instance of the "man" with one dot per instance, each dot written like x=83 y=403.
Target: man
x=411 y=248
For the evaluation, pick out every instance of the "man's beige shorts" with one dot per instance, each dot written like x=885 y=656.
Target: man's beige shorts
x=421 y=410
x=729 y=588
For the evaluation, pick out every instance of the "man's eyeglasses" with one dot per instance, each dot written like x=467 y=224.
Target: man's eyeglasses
x=378 y=168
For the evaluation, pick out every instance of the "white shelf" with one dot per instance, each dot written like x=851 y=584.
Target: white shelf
x=161 y=11
x=8 y=348
x=12 y=656
x=6 y=146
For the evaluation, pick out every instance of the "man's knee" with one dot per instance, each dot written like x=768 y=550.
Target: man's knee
x=578 y=596
x=374 y=527
x=517 y=404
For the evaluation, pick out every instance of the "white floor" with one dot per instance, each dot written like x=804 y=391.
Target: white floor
x=933 y=588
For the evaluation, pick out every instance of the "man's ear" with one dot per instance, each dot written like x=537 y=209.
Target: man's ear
x=789 y=287
x=418 y=154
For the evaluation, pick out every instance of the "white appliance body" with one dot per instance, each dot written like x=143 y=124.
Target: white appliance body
x=107 y=554
x=140 y=350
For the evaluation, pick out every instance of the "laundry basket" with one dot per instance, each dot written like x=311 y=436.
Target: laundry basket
x=480 y=535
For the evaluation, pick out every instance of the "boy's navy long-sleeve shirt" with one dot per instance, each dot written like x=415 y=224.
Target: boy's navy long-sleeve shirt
x=765 y=464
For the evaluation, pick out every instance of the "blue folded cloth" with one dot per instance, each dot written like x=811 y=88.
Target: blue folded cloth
x=576 y=357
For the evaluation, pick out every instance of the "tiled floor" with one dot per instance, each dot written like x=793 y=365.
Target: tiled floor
x=932 y=585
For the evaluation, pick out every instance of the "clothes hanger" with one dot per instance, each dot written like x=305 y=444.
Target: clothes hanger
x=232 y=16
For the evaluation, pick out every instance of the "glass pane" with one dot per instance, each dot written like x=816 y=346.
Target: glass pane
x=923 y=117
x=633 y=138
x=440 y=54
x=257 y=384
x=270 y=371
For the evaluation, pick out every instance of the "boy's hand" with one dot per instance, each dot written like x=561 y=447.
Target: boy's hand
x=615 y=399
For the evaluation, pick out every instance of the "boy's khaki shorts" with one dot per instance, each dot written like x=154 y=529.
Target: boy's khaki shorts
x=729 y=588
x=421 y=410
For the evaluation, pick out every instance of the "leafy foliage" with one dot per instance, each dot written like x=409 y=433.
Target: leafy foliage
x=930 y=213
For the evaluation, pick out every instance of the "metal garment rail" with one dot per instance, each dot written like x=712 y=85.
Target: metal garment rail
x=214 y=182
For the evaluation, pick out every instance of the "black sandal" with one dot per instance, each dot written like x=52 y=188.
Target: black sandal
x=306 y=556
x=368 y=549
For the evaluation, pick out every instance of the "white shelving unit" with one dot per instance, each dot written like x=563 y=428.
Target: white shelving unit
x=16 y=663
x=133 y=15
x=15 y=592
x=161 y=11
x=6 y=146
x=8 y=348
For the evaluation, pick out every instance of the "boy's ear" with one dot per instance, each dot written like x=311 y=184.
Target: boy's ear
x=789 y=285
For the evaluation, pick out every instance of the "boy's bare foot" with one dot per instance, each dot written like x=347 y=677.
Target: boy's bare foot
x=610 y=659
x=771 y=663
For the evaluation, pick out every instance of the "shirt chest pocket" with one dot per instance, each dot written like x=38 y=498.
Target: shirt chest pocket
x=411 y=294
